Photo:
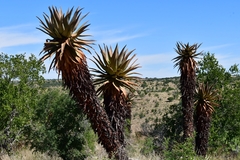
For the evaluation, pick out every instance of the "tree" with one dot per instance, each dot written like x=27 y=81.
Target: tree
x=187 y=66
x=114 y=73
x=225 y=126
x=60 y=127
x=211 y=72
x=20 y=81
x=67 y=45
x=206 y=98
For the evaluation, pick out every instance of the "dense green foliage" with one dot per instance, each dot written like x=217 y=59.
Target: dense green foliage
x=225 y=128
x=211 y=72
x=20 y=81
x=60 y=127
x=32 y=111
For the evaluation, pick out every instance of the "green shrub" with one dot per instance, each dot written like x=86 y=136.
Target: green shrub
x=170 y=99
x=170 y=89
x=20 y=82
x=144 y=84
x=163 y=89
x=141 y=115
x=156 y=104
x=169 y=126
x=225 y=125
x=182 y=150
x=148 y=146
x=127 y=128
x=61 y=128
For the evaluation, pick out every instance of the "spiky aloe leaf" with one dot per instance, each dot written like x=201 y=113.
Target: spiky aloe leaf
x=186 y=54
x=114 y=68
x=206 y=98
x=66 y=45
x=66 y=41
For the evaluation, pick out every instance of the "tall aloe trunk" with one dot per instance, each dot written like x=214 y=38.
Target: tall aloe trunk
x=188 y=89
x=202 y=135
x=115 y=106
x=187 y=65
x=82 y=91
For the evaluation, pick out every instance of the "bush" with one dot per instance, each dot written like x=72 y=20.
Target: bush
x=156 y=104
x=183 y=150
x=169 y=126
x=144 y=84
x=225 y=126
x=168 y=133
x=170 y=99
x=141 y=115
x=60 y=127
x=20 y=82
x=148 y=146
x=164 y=89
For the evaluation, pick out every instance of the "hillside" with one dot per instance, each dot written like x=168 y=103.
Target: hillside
x=150 y=98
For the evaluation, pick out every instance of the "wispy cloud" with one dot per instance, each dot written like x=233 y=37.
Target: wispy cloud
x=118 y=39
x=157 y=65
x=113 y=36
x=110 y=32
x=224 y=54
x=150 y=59
x=19 y=35
x=216 y=47
x=227 y=60
x=159 y=72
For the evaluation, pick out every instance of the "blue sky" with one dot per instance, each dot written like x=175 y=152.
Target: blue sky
x=152 y=28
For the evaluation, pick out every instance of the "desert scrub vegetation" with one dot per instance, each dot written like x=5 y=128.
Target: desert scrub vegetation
x=193 y=116
x=144 y=148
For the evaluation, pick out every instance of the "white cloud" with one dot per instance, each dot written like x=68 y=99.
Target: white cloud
x=110 y=32
x=162 y=58
x=113 y=36
x=19 y=35
x=159 y=71
x=227 y=60
x=216 y=47
x=157 y=65
x=224 y=54
x=117 y=39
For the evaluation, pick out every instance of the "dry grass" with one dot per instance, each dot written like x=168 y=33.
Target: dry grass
x=26 y=154
x=100 y=154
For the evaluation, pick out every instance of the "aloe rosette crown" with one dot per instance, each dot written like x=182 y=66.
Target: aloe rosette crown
x=115 y=69
x=67 y=43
